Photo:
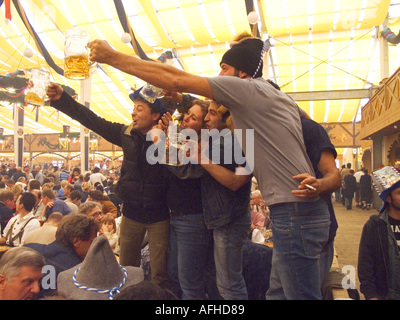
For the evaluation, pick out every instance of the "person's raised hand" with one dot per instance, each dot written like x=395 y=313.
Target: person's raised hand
x=101 y=51
x=54 y=91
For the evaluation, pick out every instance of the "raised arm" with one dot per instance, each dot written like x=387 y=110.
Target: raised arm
x=158 y=74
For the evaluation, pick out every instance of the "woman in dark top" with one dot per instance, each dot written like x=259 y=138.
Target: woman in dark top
x=190 y=261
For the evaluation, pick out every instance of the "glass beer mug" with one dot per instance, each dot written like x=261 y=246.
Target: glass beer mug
x=175 y=143
x=37 y=87
x=76 y=50
x=151 y=93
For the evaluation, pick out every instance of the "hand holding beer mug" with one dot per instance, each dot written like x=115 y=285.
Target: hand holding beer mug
x=76 y=50
x=175 y=142
x=151 y=93
x=37 y=87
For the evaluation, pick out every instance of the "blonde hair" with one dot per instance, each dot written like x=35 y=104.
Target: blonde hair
x=86 y=186
x=63 y=183
x=17 y=190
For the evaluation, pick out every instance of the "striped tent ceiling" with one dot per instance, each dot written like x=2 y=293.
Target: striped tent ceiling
x=316 y=46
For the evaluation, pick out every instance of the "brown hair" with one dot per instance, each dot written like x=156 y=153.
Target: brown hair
x=240 y=37
x=109 y=218
x=204 y=107
x=7 y=195
x=226 y=115
x=76 y=226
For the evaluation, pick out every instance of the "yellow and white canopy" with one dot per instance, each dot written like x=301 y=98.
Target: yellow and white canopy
x=316 y=46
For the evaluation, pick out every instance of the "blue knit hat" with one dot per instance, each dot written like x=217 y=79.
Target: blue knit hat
x=155 y=103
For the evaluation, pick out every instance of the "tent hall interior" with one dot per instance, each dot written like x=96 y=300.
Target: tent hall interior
x=338 y=60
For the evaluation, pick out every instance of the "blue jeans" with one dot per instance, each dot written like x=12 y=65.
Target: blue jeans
x=191 y=265
x=228 y=254
x=325 y=260
x=300 y=231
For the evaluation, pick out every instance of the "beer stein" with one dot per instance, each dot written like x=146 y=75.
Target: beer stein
x=76 y=51
x=175 y=142
x=37 y=87
x=151 y=93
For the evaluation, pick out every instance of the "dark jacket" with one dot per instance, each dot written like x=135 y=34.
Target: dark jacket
x=373 y=259
x=142 y=186
x=222 y=205
x=365 y=188
x=5 y=215
x=351 y=186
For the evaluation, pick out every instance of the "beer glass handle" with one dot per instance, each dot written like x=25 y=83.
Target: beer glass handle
x=91 y=64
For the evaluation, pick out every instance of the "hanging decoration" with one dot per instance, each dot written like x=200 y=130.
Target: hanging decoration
x=390 y=36
x=126 y=37
x=28 y=53
x=253 y=17
x=39 y=44
x=164 y=56
x=7 y=5
x=123 y=18
x=16 y=73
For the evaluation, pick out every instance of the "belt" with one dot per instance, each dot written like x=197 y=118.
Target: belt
x=179 y=213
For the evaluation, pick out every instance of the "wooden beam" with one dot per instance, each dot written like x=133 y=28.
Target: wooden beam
x=332 y=95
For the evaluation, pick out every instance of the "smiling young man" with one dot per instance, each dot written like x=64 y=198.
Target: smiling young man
x=140 y=186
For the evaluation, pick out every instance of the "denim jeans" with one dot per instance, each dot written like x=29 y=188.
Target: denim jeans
x=228 y=254
x=325 y=260
x=190 y=263
x=300 y=230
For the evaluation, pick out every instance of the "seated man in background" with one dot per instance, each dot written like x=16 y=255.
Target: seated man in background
x=47 y=233
x=54 y=205
x=73 y=239
x=20 y=273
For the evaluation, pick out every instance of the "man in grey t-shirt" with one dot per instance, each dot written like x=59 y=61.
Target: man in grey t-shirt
x=300 y=225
